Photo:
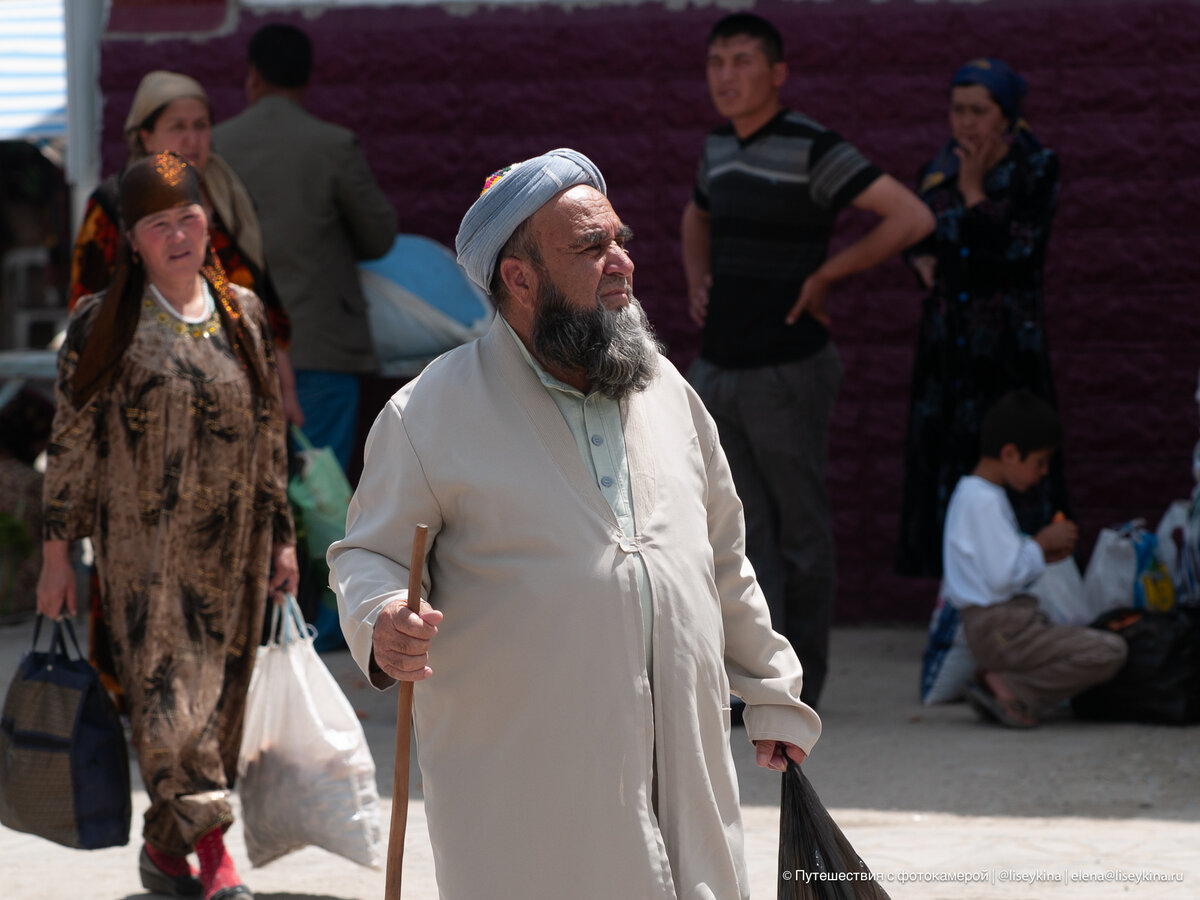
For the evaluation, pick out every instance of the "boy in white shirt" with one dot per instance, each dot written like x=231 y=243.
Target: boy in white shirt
x=1025 y=663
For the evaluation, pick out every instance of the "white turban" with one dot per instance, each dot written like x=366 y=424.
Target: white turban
x=511 y=196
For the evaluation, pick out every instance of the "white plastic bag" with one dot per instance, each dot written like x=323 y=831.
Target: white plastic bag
x=1061 y=596
x=1189 y=557
x=305 y=772
x=1108 y=581
x=1172 y=537
x=1126 y=570
x=947 y=664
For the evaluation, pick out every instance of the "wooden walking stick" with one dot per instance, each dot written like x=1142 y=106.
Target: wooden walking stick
x=395 y=854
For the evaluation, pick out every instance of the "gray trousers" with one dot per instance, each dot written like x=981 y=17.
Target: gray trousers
x=1043 y=664
x=774 y=427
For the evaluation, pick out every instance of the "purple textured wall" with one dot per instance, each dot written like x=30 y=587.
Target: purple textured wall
x=441 y=99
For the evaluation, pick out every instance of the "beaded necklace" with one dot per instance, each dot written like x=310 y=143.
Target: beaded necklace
x=204 y=327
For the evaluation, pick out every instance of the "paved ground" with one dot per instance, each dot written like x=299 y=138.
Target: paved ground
x=940 y=806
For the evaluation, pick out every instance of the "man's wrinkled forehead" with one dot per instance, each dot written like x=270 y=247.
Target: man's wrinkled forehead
x=581 y=216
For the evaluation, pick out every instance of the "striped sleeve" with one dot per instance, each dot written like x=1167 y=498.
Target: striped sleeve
x=837 y=171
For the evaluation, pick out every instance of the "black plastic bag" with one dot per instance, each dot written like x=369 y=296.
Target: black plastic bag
x=64 y=766
x=1160 y=681
x=816 y=862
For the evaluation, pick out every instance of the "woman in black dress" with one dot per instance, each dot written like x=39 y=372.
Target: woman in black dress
x=993 y=189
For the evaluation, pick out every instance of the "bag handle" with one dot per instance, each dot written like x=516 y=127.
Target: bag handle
x=287 y=618
x=58 y=644
x=300 y=438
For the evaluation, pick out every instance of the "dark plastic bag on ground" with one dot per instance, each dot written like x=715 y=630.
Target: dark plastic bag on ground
x=816 y=862
x=1160 y=681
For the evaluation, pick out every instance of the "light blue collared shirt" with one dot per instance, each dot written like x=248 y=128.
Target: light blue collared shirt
x=595 y=424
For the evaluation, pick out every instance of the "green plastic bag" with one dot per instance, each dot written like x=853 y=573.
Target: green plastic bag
x=320 y=494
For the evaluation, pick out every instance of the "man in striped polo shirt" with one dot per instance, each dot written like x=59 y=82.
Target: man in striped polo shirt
x=755 y=236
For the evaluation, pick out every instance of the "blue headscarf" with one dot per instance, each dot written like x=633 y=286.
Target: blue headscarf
x=1006 y=86
x=1008 y=89
x=511 y=196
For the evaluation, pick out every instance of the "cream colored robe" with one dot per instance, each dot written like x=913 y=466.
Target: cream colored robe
x=541 y=740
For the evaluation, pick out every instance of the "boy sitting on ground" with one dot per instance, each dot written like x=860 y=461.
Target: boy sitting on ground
x=1025 y=663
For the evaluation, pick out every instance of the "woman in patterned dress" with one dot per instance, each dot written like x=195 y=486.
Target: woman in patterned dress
x=168 y=452
x=993 y=189
x=170 y=111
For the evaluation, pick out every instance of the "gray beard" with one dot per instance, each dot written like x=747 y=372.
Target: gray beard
x=614 y=350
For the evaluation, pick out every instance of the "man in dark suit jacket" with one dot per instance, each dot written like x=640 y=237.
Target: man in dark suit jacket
x=321 y=212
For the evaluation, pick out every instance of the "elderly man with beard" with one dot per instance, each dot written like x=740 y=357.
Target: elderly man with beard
x=587 y=606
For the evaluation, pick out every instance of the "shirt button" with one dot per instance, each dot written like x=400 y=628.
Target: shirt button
x=597 y=440
x=963 y=295
x=964 y=252
x=606 y=481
